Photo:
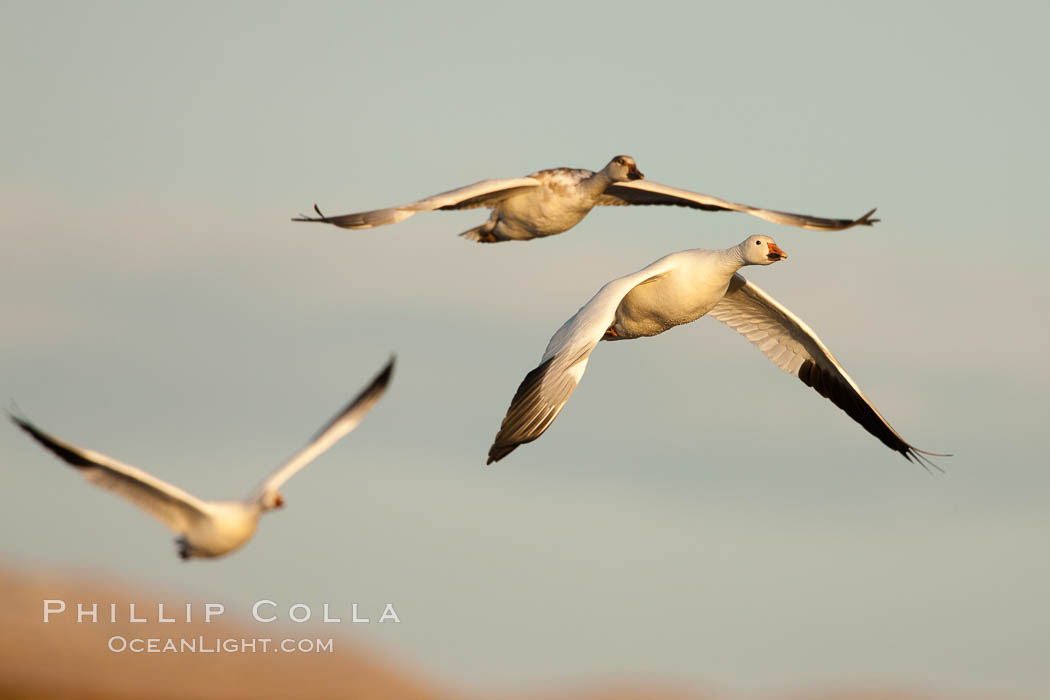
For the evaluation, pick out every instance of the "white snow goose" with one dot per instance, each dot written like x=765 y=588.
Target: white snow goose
x=553 y=201
x=207 y=528
x=677 y=289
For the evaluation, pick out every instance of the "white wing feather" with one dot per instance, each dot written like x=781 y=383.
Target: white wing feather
x=795 y=348
x=345 y=421
x=486 y=193
x=167 y=503
x=644 y=192
x=545 y=390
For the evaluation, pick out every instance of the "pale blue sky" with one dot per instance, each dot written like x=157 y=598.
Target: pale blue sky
x=694 y=513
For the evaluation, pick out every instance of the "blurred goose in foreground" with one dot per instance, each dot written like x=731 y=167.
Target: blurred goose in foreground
x=207 y=528
x=553 y=201
x=677 y=289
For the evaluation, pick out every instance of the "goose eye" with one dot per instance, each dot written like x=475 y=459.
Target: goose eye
x=758 y=242
x=619 y=161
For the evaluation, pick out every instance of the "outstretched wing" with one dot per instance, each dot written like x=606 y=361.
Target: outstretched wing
x=340 y=425
x=545 y=390
x=165 y=502
x=647 y=192
x=793 y=347
x=486 y=193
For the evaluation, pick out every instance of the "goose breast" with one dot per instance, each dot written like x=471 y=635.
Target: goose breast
x=679 y=296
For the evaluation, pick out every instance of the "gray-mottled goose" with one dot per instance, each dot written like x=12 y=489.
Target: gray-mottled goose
x=553 y=201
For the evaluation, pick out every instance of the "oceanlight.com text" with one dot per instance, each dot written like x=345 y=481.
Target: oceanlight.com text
x=218 y=645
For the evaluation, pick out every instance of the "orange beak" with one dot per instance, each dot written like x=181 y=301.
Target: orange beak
x=633 y=173
x=775 y=253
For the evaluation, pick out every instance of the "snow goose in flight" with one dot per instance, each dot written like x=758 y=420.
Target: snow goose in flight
x=207 y=528
x=553 y=201
x=677 y=289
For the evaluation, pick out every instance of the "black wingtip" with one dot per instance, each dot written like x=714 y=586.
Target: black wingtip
x=67 y=454
x=922 y=458
x=498 y=452
x=20 y=419
x=303 y=217
x=383 y=378
x=380 y=381
x=17 y=418
x=517 y=427
x=866 y=220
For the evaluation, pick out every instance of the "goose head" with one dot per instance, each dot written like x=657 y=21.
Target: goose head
x=622 y=168
x=761 y=250
x=271 y=500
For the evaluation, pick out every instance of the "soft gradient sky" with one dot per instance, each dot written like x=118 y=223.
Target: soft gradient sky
x=694 y=513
